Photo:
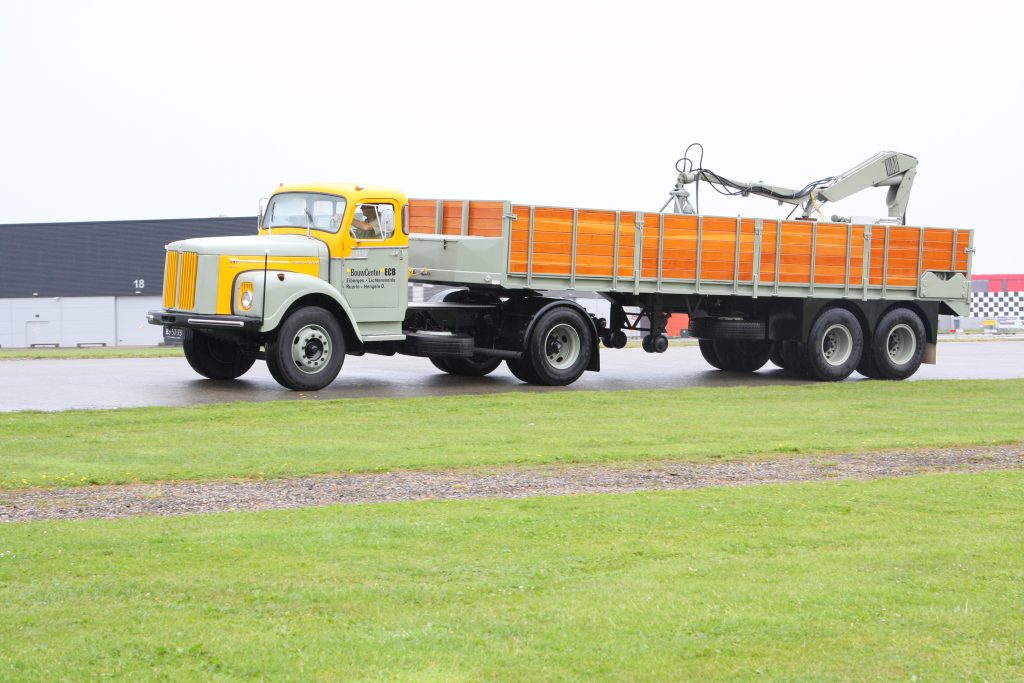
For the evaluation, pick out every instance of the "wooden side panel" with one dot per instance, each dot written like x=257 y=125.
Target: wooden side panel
x=963 y=241
x=938 y=249
x=768 y=241
x=422 y=216
x=718 y=249
x=552 y=241
x=795 y=253
x=452 y=218
x=519 y=239
x=652 y=237
x=904 y=244
x=747 y=239
x=627 y=242
x=595 y=243
x=830 y=254
x=877 y=255
x=857 y=256
x=485 y=218
x=679 y=256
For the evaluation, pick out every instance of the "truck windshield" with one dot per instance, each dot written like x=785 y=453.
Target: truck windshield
x=305 y=209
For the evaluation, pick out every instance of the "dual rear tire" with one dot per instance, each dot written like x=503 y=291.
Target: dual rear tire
x=834 y=348
x=896 y=349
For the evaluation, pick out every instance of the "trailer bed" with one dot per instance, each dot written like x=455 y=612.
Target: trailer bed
x=520 y=246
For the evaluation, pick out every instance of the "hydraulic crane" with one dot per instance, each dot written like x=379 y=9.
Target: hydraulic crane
x=885 y=169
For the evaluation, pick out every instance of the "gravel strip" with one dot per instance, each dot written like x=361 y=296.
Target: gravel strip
x=108 y=502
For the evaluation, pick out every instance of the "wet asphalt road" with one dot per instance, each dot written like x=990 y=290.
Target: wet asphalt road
x=124 y=383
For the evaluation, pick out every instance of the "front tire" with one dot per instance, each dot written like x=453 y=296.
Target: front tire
x=308 y=350
x=560 y=347
x=215 y=358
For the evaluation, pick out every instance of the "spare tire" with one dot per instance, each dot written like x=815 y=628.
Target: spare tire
x=727 y=328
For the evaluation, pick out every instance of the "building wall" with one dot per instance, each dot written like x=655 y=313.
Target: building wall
x=78 y=321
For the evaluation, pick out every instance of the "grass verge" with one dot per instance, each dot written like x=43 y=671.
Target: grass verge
x=290 y=438
x=912 y=579
x=92 y=352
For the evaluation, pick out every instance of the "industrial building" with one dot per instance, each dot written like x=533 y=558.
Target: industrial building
x=90 y=283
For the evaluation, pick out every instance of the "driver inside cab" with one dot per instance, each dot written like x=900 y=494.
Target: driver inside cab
x=368 y=229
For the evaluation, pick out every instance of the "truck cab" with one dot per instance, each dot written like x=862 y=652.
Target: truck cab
x=338 y=252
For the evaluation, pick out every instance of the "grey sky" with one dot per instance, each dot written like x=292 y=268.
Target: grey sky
x=185 y=109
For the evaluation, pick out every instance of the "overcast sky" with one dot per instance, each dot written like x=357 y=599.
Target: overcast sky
x=191 y=109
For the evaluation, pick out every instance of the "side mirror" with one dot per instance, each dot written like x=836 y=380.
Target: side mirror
x=262 y=211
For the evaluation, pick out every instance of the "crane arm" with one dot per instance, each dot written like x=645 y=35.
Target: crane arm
x=885 y=169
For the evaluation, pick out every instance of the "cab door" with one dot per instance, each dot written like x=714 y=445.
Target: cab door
x=374 y=277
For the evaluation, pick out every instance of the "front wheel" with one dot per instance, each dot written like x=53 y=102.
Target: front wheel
x=560 y=347
x=308 y=350
x=215 y=358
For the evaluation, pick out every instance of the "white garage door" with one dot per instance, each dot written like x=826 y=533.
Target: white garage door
x=132 y=328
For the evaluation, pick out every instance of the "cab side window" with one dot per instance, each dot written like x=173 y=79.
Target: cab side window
x=373 y=221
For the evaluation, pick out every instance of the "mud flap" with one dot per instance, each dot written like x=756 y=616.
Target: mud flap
x=930 y=354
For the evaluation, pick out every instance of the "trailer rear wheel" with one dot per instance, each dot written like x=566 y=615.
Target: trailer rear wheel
x=707 y=349
x=441 y=364
x=308 y=350
x=474 y=366
x=559 y=347
x=215 y=358
x=777 y=355
x=741 y=356
x=834 y=346
x=898 y=344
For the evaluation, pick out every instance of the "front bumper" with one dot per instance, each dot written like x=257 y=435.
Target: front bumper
x=203 y=322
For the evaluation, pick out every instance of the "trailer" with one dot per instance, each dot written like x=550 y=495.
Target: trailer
x=328 y=273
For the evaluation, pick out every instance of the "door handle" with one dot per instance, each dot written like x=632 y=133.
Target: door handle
x=398 y=253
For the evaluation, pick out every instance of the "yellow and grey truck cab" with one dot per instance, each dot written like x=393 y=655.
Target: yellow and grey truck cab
x=327 y=275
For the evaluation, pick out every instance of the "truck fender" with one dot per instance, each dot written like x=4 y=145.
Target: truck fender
x=547 y=305
x=283 y=293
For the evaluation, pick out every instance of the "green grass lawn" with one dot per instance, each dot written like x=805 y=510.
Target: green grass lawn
x=303 y=437
x=92 y=352
x=919 y=578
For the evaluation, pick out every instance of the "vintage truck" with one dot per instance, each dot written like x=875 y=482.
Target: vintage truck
x=327 y=275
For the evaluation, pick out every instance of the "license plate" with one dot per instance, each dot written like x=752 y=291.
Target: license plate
x=174 y=333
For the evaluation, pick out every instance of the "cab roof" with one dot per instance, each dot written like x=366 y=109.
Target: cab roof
x=355 y=193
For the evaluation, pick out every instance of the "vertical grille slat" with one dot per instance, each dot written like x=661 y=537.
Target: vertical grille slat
x=170 y=279
x=187 y=288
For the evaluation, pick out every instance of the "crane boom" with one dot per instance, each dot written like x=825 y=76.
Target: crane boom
x=885 y=169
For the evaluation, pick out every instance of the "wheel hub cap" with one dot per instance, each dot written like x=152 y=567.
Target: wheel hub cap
x=562 y=346
x=901 y=344
x=837 y=345
x=311 y=349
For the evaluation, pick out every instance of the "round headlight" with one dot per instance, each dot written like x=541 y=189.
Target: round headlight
x=246 y=300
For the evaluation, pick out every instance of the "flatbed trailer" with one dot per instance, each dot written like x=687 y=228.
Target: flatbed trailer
x=819 y=298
